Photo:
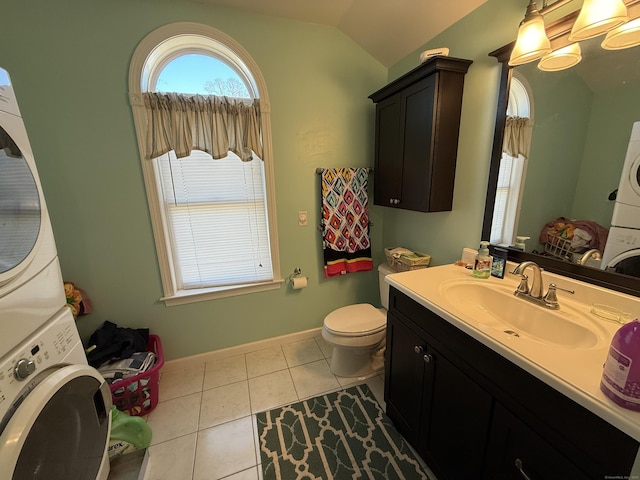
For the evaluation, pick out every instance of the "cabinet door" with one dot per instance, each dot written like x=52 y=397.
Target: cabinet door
x=455 y=430
x=418 y=121
x=388 y=166
x=404 y=375
x=515 y=452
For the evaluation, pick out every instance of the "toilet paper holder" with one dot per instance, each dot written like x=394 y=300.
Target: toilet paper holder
x=296 y=280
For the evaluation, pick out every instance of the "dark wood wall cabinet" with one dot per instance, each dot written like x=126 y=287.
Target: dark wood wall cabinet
x=417 y=126
x=472 y=414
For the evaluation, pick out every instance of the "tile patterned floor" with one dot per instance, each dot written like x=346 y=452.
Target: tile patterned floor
x=204 y=424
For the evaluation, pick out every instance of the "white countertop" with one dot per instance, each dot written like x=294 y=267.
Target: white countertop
x=575 y=372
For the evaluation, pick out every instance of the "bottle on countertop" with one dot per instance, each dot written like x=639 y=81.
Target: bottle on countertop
x=483 y=261
x=621 y=375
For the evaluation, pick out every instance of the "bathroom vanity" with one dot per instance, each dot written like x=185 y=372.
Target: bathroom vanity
x=482 y=394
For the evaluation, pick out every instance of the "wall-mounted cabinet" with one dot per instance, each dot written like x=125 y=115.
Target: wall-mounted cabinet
x=472 y=414
x=417 y=127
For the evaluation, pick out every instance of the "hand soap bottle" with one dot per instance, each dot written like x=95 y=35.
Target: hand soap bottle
x=483 y=261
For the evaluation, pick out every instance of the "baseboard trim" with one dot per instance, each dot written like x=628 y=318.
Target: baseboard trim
x=245 y=348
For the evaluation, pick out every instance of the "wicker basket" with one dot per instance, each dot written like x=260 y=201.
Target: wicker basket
x=138 y=395
x=406 y=262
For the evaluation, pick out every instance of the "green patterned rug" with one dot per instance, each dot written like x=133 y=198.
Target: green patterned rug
x=341 y=435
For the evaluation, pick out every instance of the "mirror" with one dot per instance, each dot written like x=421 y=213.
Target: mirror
x=582 y=121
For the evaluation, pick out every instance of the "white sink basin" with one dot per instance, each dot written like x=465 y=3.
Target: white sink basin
x=497 y=307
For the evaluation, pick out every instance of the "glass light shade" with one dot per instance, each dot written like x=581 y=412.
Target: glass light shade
x=562 y=58
x=597 y=17
x=625 y=36
x=532 y=42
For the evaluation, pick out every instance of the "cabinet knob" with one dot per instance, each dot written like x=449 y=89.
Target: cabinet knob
x=418 y=349
x=394 y=201
x=520 y=468
x=427 y=358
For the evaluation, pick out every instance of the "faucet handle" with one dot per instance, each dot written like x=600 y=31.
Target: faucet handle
x=551 y=299
x=524 y=286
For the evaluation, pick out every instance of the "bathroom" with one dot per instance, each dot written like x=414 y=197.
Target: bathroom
x=69 y=62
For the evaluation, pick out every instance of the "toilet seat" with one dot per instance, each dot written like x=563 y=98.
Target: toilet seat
x=356 y=320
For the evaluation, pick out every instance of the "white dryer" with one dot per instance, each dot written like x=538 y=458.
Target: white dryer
x=31 y=288
x=55 y=410
x=629 y=188
x=622 y=251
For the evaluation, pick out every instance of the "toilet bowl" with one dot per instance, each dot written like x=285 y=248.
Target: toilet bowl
x=357 y=334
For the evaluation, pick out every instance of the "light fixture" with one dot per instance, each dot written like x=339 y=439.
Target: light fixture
x=532 y=42
x=625 y=36
x=562 y=58
x=597 y=17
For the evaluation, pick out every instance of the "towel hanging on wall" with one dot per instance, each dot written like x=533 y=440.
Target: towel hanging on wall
x=345 y=221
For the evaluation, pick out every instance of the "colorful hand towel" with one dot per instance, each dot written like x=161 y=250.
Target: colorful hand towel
x=345 y=221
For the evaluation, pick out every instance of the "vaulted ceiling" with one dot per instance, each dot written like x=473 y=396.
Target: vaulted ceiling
x=388 y=29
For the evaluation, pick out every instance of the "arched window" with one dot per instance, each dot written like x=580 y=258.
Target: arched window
x=201 y=114
x=517 y=140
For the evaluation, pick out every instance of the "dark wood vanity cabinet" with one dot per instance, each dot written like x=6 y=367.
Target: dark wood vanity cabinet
x=417 y=126
x=472 y=414
x=440 y=410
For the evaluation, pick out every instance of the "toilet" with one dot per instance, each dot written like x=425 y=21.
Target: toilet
x=357 y=334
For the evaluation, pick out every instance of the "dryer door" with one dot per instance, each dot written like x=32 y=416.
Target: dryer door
x=20 y=207
x=60 y=431
x=627 y=263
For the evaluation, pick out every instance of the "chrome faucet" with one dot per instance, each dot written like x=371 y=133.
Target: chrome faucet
x=536 y=286
x=593 y=253
x=534 y=294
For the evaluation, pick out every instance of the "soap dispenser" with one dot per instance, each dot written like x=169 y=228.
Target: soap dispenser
x=483 y=261
x=520 y=245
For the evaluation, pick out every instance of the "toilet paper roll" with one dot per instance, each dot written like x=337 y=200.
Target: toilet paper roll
x=299 y=282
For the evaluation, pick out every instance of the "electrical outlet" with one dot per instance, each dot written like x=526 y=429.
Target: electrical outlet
x=303 y=219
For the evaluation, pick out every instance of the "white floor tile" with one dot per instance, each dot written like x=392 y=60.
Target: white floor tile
x=225 y=371
x=174 y=418
x=304 y=351
x=204 y=426
x=224 y=450
x=313 y=379
x=325 y=347
x=223 y=404
x=272 y=390
x=178 y=382
x=265 y=361
x=172 y=459
x=248 y=474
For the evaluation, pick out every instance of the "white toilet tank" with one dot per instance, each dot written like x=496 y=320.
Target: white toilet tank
x=383 y=271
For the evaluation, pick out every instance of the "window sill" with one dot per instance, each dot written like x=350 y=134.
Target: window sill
x=183 y=297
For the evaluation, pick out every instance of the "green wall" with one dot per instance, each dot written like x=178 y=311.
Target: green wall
x=561 y=110
x=443 y=235
x=69 y=65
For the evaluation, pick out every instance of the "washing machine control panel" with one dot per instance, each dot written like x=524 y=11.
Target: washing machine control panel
x=56 y=343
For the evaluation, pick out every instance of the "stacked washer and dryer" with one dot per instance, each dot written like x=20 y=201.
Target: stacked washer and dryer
x=622 y=251
x=55 y=410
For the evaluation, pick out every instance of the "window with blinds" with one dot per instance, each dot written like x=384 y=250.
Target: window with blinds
x=511 y=174
x=216 y=218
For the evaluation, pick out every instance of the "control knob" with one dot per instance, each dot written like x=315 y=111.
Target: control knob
x=23 y=369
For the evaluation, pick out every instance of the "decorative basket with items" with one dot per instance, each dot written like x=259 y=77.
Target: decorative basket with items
x=403 y=260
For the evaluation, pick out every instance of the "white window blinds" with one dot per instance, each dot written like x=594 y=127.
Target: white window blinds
x=216 y=215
